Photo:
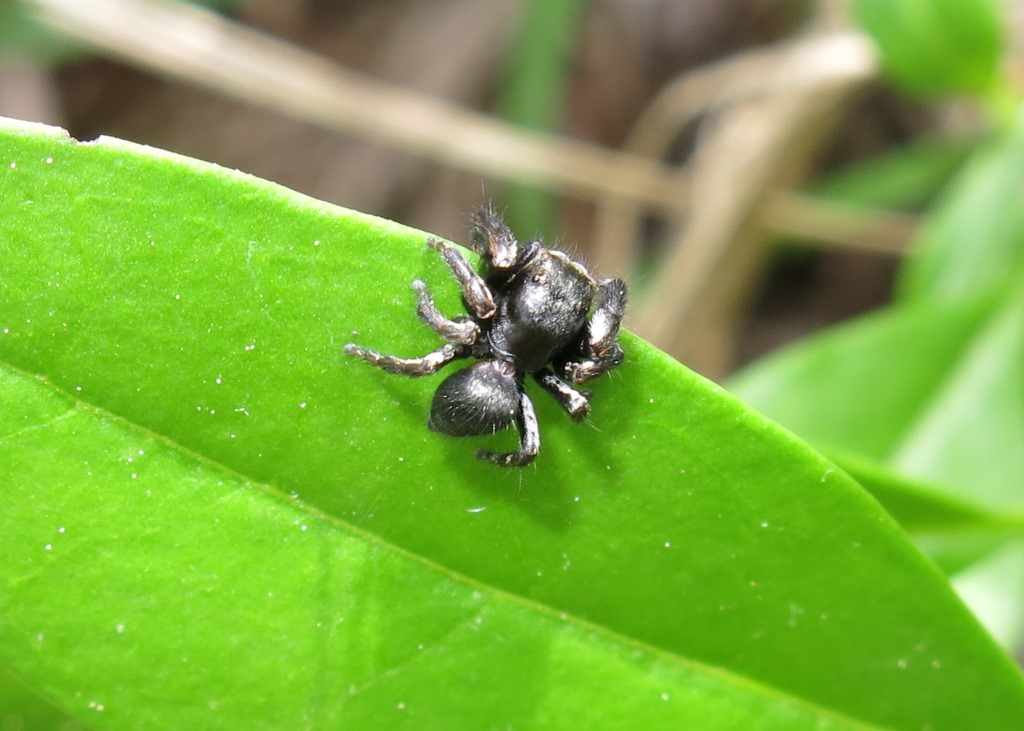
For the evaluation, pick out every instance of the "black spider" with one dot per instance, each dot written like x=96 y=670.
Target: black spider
x=530 y=312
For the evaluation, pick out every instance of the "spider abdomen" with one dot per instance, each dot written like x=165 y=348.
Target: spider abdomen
x=481 y=399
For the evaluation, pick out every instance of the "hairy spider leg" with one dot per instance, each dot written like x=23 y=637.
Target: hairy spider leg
x=529 y=439
x=574 y=402
x=475 y=292
x=602 y=351
x=493 y=239
x=426 y=365
x=459 y=331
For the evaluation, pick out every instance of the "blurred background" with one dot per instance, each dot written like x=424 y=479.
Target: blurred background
x=741 y=162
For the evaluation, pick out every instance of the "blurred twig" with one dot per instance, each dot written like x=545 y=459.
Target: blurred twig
x=207 y=50
x=199 y=46
x=828 y=63
x=368 y=176
x=838 y=59
x=838 y=225
x=747 y=154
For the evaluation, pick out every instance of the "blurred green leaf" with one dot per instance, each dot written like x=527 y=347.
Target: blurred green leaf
x=922 y=507
x=905 y=177
x=932 y=390
x=213 y=519
x=994 y=589
x=861 y=386
x=974 y=242
x=971 y=432
x=936 y=46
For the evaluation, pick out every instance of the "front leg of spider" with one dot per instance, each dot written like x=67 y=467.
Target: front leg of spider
x=601 y=349
x=475 y=292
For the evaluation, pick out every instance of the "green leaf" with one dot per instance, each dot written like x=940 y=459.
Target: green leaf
x=933 y=390
x=924 y=508
x=213 y=518
x=25 y=709
x=960 y=536
x=862 y=385
x=924 y=406
x=936 y=46
x=905 y=177
x=259 y=611
x=975 y=240
x=971 y=431
x=994 y=588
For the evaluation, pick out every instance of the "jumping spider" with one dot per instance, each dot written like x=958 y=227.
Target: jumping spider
x=528 y=314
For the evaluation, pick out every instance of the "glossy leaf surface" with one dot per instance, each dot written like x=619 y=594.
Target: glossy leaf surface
x=215 y=519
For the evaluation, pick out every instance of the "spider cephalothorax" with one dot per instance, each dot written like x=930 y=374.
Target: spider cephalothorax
x=532 y=310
